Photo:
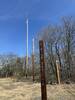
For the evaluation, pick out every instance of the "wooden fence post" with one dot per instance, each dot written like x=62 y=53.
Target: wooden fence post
x=42 y=71
x=33 y=66
x=58 y=71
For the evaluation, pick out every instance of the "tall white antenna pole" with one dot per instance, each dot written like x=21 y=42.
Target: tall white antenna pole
x=33 y=59
x=27 y=48
x=33 y=45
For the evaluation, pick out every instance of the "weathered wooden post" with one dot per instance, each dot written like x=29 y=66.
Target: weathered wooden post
x=57 y=71
x=42 y=70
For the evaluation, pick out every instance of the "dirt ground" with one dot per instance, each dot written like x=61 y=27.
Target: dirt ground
x=11 y=90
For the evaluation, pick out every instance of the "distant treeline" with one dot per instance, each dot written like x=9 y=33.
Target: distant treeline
x=59 y=43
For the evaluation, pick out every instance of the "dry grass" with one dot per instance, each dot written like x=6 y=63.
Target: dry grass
x=10 y=90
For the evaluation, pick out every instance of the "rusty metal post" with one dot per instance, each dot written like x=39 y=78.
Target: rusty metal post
x=33 y=66
x=57 y=71
x=33 y=58
x=42 y=70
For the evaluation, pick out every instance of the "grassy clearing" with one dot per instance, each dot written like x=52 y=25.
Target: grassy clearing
x=10 y=90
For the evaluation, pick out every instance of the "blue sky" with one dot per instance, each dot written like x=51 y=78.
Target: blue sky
x=40 y=13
